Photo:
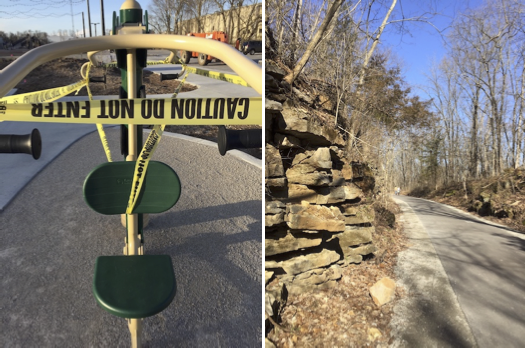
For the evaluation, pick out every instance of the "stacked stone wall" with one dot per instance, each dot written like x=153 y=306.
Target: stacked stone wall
x=318 y=213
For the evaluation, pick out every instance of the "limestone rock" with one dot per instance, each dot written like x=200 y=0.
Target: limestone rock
x=322 y=195
x=272 y=105
x=275 y=219
x=352 y=192
x=485 y=196
x=347 y=171
x=268 y=343
x=277 y=97
x=318 y=159
x=338 y=154
x=361 y=215
x=303 y=96
x=274 y=71
x=383 y=291
x=294 y=175
x=337 y=178
x=275 y=297
x=267 y=276
x=349 y=209
x=298 y=123
x=316 y=279
x=287 y=141
x=274 y=163
x=314 y=217
x=301 y=193
x=351 y=259
x=297 y=288
x=353 y=236
x=271 y=84
x=275 y=182
x=374 y=334
x=274 y=207
x=303 y=263
x=279 y=243
x=355 y=255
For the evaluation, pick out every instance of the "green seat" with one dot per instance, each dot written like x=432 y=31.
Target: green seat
x=108 y=187
x=135 y=286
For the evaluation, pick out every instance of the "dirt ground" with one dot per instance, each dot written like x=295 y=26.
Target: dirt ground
x=345 y=315
x=65 y=71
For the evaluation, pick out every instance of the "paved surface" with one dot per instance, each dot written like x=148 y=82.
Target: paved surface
x=16 y=170
x=208 y=88
x=49 y=241
x=483 y=266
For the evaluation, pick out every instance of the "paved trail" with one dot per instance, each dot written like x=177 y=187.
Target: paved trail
x=485 y=265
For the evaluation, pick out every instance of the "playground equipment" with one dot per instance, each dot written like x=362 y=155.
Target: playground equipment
x=29 y=143
x=133 y=286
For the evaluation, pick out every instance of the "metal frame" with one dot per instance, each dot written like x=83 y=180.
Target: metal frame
x=244 y=67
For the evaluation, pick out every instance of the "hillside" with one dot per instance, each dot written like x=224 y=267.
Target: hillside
x=500 y=199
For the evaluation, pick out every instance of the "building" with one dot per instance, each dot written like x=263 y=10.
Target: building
x=244 y=23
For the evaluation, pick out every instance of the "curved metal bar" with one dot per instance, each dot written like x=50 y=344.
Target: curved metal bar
x=244 y=67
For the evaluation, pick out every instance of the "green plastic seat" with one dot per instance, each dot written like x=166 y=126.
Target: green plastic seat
x=107 y=188
x=135 y=286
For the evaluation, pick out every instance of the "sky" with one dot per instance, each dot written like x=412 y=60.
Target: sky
x=422 y=44
x=53 y=15
x=414 y=50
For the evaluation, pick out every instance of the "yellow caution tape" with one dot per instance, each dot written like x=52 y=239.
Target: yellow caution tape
x=47 y=95
x=104 y=140
x=180 y=111
x=100 y=127
x=237 y=80
x=142 y=165
x=179 y=87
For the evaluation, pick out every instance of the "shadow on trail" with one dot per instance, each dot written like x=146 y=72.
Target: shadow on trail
x=223 y=241
x=512 y=241
x=484 y=265
x=433 y=211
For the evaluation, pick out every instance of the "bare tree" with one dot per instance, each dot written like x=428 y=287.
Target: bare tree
x=166 y=16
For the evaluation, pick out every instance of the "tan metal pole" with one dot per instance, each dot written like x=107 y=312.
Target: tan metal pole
x=133 y=219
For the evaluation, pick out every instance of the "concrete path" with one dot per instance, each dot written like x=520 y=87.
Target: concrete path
x=466 y=277
x=16 y=170
x=49 y=241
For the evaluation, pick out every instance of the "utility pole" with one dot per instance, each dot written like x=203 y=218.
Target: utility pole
x=83 y=24
x=95 y=24
x=89 y=19
x=102 y=10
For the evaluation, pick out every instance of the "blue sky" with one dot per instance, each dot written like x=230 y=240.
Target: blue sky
x=14 y=14
x=422 y=44
x=414 y=49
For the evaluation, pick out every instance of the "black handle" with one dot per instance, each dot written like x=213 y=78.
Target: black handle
x=229 y=139
x=168 y=76
x=98 y=79
x=28 y=143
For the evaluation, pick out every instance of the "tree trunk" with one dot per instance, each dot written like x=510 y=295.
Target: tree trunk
x=290 y=78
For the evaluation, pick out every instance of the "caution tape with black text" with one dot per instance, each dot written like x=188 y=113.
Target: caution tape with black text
x=168 y=111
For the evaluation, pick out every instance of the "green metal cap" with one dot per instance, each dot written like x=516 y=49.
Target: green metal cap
x=130 y=12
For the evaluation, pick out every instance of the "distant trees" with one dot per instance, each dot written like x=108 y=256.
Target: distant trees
x=27 y=39
x=167 y=16
x=338 y=41
x=478 y=93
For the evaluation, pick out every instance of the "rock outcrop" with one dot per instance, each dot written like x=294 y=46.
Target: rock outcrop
x=318 y=216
